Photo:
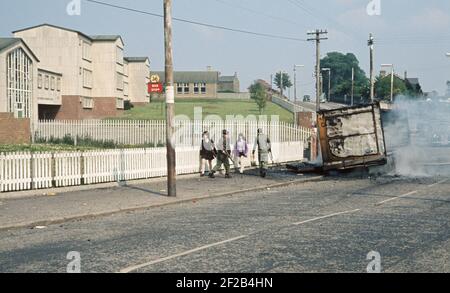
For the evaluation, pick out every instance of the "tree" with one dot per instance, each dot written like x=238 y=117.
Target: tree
x=259 y=94
x=282 y=81
x=341 y=75
x=383 y=87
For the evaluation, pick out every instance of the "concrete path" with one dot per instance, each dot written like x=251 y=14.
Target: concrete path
x=52 y=206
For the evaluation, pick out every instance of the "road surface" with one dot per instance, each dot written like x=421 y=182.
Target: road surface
x=326 y=226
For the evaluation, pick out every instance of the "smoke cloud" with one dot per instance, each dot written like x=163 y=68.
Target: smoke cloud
x=417 y=134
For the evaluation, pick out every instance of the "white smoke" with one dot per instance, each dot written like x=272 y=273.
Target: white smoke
x=417 y=136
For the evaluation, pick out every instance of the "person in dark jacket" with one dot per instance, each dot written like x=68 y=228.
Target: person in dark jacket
x=207 y=155
x=223 y=155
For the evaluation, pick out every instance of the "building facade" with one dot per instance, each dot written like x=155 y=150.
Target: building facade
x=201 y=84
x=92 y=73
x=229 y=84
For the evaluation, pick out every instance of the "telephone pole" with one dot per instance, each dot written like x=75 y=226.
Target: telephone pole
x=372 y=76
x=317 y=38
x=170 y=101
x=353 y=85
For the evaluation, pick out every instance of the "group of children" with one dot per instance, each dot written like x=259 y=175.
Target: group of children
x=223 y=153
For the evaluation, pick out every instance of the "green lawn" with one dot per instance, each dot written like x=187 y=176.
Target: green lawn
x=41 y=148
x=156 y=110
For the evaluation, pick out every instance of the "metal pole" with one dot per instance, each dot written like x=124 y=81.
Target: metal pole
x=353 y=84
x=392 y=83
x=372 y=76
x=295 y=84
x=329 y=85
x=170 y=101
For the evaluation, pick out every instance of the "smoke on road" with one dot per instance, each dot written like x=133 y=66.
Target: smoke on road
x=418 y=136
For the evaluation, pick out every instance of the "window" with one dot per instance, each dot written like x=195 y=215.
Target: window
x=47 y=82
x=87 y=78
x=203 y=88
x=186 y=88
x=39 y=81
x=19 y=81
x=58 y=84
x=196 y=88
x=119 y=55
x=119 y=81
x=179 y=88
x=125 y=89
x=53 y=83
x=86 y=51
x=87 y=102
x=119 y=103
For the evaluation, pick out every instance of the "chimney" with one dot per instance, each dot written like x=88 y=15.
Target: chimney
x=406 y=75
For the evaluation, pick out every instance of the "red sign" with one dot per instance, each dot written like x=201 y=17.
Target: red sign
x=155 y=88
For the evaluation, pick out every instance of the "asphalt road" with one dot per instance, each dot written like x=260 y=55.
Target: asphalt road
x=327 y=226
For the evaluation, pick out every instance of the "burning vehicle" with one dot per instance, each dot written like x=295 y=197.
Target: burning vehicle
x=352 y=137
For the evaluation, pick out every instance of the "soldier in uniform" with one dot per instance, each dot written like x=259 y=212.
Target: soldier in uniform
x=263 y=144
x=206 y=153
x=223 y=148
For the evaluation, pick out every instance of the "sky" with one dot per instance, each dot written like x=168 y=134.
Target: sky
x=411 y=34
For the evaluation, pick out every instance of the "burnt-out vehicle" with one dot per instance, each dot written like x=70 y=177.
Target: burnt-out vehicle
x=352 y=137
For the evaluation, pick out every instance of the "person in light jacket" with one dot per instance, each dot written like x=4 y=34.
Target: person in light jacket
x=240 y=152
x=264 y=146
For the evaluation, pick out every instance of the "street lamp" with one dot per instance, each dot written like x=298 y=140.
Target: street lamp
x=392 y=79
x=295 y=81
x=329 y=82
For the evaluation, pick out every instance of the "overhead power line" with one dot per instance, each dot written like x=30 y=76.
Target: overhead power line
x=193 y=22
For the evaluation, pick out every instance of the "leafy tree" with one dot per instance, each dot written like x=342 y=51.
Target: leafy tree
x=383 y=87
x=341 y=75
x=259 y=94
x=283 y=81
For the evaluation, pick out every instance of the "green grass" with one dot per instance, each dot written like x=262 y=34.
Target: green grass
x=156 y=110
x=42 y=148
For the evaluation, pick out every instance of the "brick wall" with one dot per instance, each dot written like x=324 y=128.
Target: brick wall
x=13 y=130
x=72 y=109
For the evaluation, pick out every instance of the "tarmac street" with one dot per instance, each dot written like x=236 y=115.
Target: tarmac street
x=329 y=225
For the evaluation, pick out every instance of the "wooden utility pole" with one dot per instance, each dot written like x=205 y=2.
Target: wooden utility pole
x=170 y=101
x=372 y=76
x=353 y=86
x=317 y=38
x=281 y=85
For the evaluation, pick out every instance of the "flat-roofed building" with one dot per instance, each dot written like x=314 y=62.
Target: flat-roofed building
x=94 y=73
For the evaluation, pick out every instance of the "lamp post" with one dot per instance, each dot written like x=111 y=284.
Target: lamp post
x=329 y=82
x=392 y=79
x=295 y=81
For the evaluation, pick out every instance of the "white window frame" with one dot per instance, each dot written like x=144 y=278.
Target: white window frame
x=39 y=81
x=180 y=88
x=87 y=78
x=186 y=88
x=87 y=102
x=52 y=83
x=58 y=84
x=126 y=89
x=203 y=88
x=196 y=88
x=46 y=81
x=119 y=55
x=19 y=81
x=87 y=51
x=119 y=81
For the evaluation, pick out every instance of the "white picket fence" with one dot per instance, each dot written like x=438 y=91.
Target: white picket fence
x=25 y=171
x=188 y=133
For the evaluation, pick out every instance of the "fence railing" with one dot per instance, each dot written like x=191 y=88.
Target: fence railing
x=188 y=133
x=288 y=105
x=25 y=171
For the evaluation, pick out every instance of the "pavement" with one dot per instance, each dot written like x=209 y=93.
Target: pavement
x=45 y=207
x=329 y=225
